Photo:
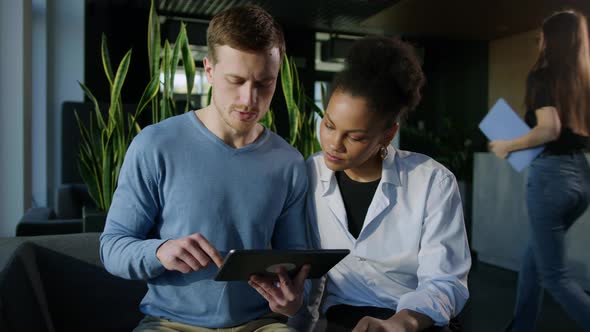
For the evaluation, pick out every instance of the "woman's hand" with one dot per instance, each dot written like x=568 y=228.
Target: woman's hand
x=370 y=324
x=548 y=129
x=501 y=148
x=403 y=321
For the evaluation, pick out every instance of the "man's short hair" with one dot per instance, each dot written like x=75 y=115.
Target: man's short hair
x=246 y=28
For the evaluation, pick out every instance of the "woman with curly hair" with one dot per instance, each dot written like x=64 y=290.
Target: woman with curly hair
x=398 y=212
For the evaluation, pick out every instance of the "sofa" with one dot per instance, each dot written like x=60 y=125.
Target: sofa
x=65 y=219
x=58 y=283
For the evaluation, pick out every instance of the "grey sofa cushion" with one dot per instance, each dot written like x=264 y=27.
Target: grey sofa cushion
x=69 y=290
x=22 y=302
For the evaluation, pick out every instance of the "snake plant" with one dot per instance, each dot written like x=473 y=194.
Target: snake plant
x=301 y=109
x=104 y=140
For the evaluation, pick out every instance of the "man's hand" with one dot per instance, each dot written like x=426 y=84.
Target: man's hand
x=284 y=297
x=187 y=254
x=501 y=148
x=403 y=321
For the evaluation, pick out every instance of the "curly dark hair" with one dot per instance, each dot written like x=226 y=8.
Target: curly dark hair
x=384 y=71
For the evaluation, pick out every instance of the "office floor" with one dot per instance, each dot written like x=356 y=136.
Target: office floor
x=493 y=292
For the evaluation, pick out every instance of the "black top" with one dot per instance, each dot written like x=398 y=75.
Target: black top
x=568 y=141
x=357 y=197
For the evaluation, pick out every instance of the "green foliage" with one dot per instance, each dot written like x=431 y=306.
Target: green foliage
x=165 y=107
x=105 y=141
x=268 y=121
x=301 y=109
x=449 y=146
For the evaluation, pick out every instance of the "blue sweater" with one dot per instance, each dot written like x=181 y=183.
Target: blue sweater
x=177 y=179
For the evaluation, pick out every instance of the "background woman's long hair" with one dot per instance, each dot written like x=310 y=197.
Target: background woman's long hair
x=565 y=58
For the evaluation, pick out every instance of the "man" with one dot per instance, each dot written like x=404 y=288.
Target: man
x=197 y=185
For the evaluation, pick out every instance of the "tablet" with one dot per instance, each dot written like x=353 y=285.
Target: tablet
x=241 y=264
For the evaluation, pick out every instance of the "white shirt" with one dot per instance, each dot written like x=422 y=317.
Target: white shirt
x=412 y=251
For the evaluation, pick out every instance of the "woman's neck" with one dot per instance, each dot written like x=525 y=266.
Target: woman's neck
x=367 y=172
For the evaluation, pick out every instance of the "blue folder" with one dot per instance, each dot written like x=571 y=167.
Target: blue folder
x=503 y=123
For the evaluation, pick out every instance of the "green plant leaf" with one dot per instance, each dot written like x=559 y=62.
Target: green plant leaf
x=87 y=164
x=116 y=93
x=154 y=40
x=135 y=126
x=164 y=105
x=150 y=92
x=86 y=140
x=314 y=107
x=155 y=108
x=93 y=186
x=324 y=95
x=167 y=69
x=120 y=76
x=188 y=63
x=176 y=53
x=209 y=95
x=106 y=180
x=106 y=61
x=297 y=86
x=106 y=169
x=97 y=113
x=268 y=121
x=288 y=83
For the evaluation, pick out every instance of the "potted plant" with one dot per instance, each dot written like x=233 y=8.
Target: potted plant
x=104 y=140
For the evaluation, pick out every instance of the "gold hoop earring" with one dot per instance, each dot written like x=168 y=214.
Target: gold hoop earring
x=383 y=152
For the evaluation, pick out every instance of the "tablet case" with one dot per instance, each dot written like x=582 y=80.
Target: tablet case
x=241 y=264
